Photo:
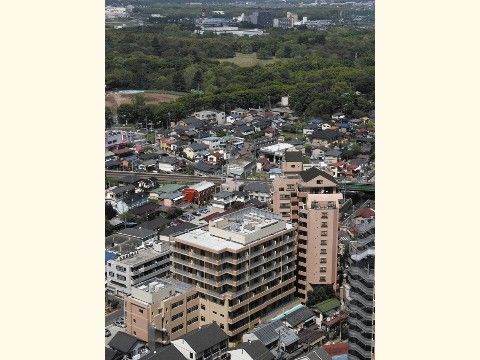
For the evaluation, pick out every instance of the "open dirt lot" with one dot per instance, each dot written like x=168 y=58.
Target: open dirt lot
x=115 y=99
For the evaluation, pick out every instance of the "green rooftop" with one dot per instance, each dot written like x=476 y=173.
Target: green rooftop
x=328 y=305
x=168 y=188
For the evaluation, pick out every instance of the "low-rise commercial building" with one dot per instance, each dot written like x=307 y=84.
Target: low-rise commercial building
x=160 y=310
x=135 y=267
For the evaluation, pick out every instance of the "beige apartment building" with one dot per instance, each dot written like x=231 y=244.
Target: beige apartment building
x=161 y=309
x=243 y=266
x=310 y=199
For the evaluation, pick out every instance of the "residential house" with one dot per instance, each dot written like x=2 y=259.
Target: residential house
x=115 y=194
x=252 y=350
x=168 y=352
x=326 y=137
x=332 y=156
x=195 y=151
x=213 y=142
x=211 y=116
x=258 y=190
x=223 y=200
x=147 y=211
x=113 y=164
x=263 y=164
x=128 y=346
x=209 y=342
x=276 y=337
x=170 y=232
x=217 y=157
x=338 y=116
x=171 y=199
x=303 y=317
x=165 y=189
x=148 y=165
x=204 y=169
x=232 y=185
x=239 y=112
x=167 y=164
x=130 y=202
x=241 y=168
x=316 y=354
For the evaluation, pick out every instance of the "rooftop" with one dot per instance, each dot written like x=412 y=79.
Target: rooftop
x=205 y=239
x=201 y=186
x=142 y=255
x=153 y=285
x=328 y=305
x=205 y=337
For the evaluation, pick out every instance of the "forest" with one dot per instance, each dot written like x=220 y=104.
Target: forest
x=321 y=71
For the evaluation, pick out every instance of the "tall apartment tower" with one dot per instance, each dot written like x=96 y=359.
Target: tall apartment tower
x=310 y=198
x=242 y=265
x=361 y=295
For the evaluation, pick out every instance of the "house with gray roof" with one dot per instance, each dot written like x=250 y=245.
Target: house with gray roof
x=276 y=336
x=251 y=350
x=209 y=341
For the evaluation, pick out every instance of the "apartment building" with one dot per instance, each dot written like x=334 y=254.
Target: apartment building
x=310 y=198
x=137 y=266
x=243 y=265
x=160 y=310
x=361 y=294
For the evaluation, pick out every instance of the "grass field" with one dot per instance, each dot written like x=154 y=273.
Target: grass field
x=114 y=99
x=246 y=60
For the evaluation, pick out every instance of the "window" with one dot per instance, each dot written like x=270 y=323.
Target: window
x=202 y=318
x=202 y=306
x=141 y=311
x=323 y=269
x=323 y=278
x=134 y=333
x=319 y=182
x=134 y=320
x=292 y=166
x=178 y=303
x=121 y=277
x=323 y=233
x=323 y=251
x=323 y=242
x=111 y=273
x=221 y=326
x=176 y=316
x=191 y=355
x=121 y=268
x=176 y=328
x=323 y=261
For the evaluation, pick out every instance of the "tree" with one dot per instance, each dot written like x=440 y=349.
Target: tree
x=157 y=50
x=197 y=80
x=189 y=169
x=108 y=117
x=178 y=82
x=320 y=293
x=110 y=212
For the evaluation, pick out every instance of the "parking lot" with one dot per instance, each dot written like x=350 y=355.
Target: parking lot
x=113 y=330
x=196 y=216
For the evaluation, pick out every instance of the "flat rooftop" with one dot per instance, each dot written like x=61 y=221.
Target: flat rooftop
x=152 y=285
x=203 y=238
x=236 y=230
x=143 y=255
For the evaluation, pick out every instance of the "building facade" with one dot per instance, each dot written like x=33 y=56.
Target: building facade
x=160 y=310
x=361 y=295
x=310 y=198
x=133 y=268
x=243 y=266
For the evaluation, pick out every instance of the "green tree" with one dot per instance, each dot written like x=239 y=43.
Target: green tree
x=108 y=117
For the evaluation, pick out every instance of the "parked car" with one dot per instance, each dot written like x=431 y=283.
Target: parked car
x=120 y=321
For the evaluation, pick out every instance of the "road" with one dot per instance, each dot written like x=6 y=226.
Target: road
x=110 y=318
